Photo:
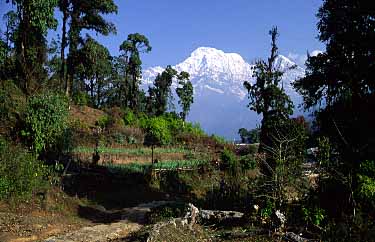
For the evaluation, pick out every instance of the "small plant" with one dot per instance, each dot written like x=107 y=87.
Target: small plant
x=315 y=215
x=366 y=189
x=267 y=211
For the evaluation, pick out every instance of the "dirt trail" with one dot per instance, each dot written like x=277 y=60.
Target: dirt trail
x=132 y=219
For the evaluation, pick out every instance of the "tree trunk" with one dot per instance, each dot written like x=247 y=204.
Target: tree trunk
x=64 y=42
x=152 y=154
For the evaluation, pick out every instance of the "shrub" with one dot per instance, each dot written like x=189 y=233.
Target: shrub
x=248 y=162
x=158 y=132
x=12 y=104
x=20 y=172
x=130 y=118
x=81 y=98
x=229 y=160
x=46 y=120
x=194 y=129
x=103 y=121
x=219 y=139
x=366 y=177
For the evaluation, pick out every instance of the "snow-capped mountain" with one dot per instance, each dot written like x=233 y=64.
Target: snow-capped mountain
x=220 y=100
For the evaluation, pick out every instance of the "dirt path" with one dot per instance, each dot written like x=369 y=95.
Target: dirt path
x=132 y=219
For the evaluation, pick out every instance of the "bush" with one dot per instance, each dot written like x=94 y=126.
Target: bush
x=81 y=98
x=366 y=177
x=130 y=118
x=12 y=104
x=21 y=173
x=248 y=162
x=229 y=160
x=103 y=121
x=219 y=139
x=46 y=121
x=158 y=132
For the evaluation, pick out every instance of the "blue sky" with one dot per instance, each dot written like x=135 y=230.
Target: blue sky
x=175 y=28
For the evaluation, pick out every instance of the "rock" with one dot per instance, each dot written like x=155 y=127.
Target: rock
x=290 y=236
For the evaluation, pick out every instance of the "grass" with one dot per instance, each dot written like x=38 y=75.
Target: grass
x=144 y=168
x=131 y=151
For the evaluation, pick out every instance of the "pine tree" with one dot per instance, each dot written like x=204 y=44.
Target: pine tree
x=95 y=70
x=34 y=19
x=185 y=92
x=267 y=97
x=84 y=15
x=132 y=48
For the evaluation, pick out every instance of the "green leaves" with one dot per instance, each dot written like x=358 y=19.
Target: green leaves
x=185 y=92
x=95 y=70
x=131 y=48
x=46 y=120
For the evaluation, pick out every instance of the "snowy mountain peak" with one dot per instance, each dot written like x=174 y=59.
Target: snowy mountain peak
x=206 y=60
x=218 y=79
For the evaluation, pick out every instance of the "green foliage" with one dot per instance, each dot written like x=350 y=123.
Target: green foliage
x=145 y=168
x=130 y=118
x=84 y=15
x=21 y=173
x=103 y=121
x=366 y=188
x=248 y=162
x=158 y=132
x=46 y=120
x=185 y=92
x=194 y=129
x=81 y=98
x=34 y=19
x=12 y=103
x=229 y=161
x=266 y=95
x=315 y=215
x=249 y=136
x=132 y=48
x=219 y=139
x=95 y=69
x=160 y=93
x=324 y=151
x=131 y=151
x=267 y=210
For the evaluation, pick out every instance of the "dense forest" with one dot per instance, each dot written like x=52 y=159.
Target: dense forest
x=75 y=125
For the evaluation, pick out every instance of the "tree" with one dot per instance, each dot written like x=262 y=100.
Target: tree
x=244 y=135
x=118 y=92
x=46 y=121
x=35 y=18
x=85 y=15
x=185 y=92
x=64 y=8
x=157 y=133
x=267 y=96
x=132 y=48
x=7 y=62
x=95 y=70
x=161 y=90
x=249 y=136
x=340 y=84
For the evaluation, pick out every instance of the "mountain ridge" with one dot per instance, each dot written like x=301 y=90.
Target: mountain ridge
x=217 y=78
